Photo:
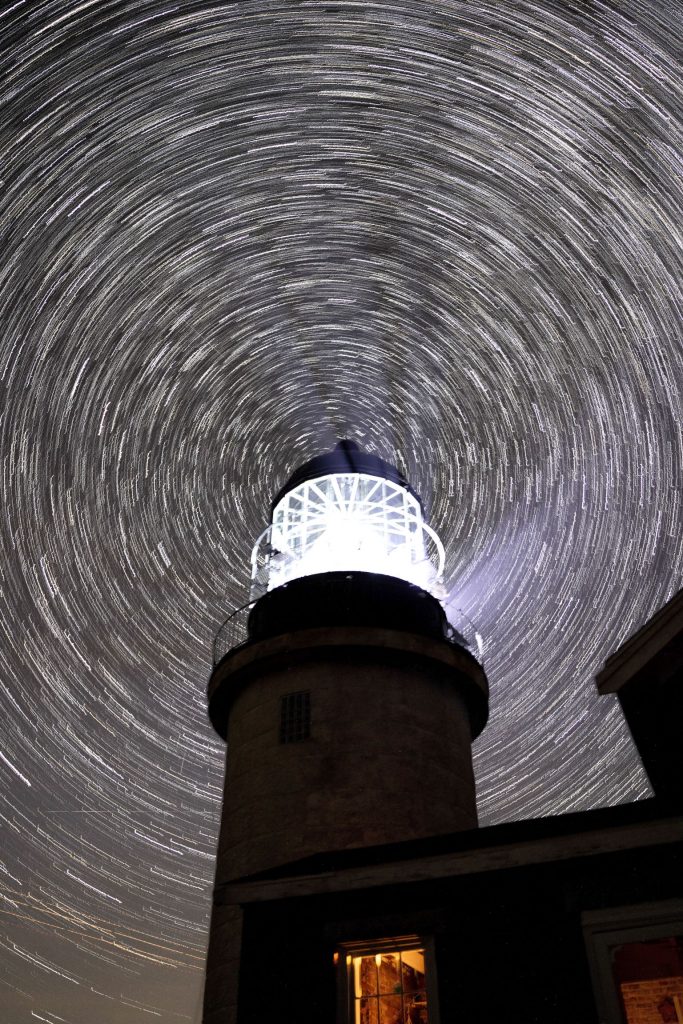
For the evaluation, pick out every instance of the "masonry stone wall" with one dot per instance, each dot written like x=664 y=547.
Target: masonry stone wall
x=388 y=759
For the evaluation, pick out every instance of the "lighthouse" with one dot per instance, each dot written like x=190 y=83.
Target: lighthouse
x=348 y=694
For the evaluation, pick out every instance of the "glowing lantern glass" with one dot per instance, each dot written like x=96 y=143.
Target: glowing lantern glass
x=347 y=511
x=347 y=521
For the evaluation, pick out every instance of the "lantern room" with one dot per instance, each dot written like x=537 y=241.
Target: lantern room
x=347 y=511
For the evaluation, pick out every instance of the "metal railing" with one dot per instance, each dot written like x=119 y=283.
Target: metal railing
x=233 y=633
x=281 y=555
x=460 y=630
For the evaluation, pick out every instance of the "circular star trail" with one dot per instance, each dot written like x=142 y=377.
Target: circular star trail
x=231 y=234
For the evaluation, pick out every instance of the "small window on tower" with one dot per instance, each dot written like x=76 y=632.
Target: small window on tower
x=295 y=717
x=387 y=982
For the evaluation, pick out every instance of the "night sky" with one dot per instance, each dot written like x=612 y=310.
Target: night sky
x=231 y=234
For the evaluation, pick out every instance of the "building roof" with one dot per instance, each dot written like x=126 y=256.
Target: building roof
x=661 y=636
x=496 y=847
x=346 y=457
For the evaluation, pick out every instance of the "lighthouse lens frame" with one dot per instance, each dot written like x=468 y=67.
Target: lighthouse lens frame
x=346 y=522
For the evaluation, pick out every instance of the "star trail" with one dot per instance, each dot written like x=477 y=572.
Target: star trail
x=231 y=234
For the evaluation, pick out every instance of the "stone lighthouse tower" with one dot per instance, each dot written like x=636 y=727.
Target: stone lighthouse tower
x=350 y=699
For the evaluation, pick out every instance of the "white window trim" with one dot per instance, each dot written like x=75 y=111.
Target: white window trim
x=616 y=926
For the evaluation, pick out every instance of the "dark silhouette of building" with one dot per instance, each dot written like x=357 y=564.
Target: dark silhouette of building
x=646 y=673
x=352 y=882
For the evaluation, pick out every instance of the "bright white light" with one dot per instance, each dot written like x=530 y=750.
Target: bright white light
x=347 y=521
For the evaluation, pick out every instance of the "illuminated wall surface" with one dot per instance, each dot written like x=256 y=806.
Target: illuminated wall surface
x=389 y=988
x=347 y=521
x=650 y=980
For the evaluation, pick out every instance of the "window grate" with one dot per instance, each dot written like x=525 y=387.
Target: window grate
x=295 y=717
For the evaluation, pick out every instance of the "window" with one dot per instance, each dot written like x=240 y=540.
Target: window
x=295 y=717
x=387 y=982
x=649 y=977
x=636 y=960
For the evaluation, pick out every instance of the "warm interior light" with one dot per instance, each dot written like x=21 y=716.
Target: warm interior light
x=389 y=986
